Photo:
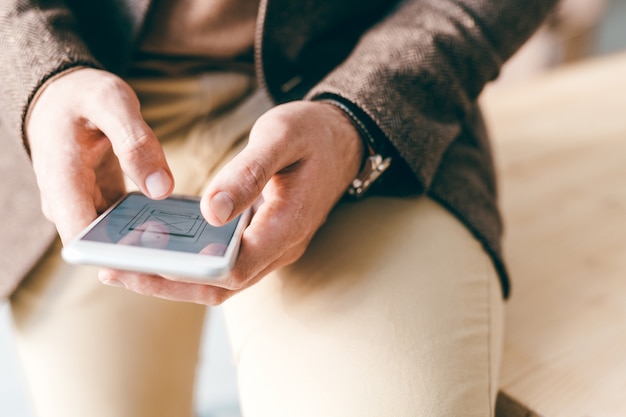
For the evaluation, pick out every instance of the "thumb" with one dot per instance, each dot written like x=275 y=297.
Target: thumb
x=238 y=184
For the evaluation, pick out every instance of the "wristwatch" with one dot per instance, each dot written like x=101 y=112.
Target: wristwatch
x=373 y=167
x=376 y=160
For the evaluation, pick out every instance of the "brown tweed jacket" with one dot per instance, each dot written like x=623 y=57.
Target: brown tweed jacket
x=412 y=70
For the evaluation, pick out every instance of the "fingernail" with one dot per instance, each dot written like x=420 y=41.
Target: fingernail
x=158 y=183
x=222 y=206
x=114 y=283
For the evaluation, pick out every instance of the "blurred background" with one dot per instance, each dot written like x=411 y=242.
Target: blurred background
x=580 y=30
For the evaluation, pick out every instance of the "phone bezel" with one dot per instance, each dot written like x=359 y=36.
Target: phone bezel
x=176 y=265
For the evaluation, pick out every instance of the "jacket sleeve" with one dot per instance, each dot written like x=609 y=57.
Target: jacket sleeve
x=42 y=38
x=417 y=73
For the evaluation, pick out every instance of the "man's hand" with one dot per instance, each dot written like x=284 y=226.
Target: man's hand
x=299 y=161
x=84 y=130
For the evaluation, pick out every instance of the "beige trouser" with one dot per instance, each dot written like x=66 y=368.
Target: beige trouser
x=394 y=310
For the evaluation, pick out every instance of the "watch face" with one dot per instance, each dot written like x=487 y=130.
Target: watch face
x=373 y=168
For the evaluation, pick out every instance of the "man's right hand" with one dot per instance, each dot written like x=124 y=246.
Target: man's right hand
x=84 y=131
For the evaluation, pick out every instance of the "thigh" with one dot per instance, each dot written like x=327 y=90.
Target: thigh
x=92 y=350
x=395 y=309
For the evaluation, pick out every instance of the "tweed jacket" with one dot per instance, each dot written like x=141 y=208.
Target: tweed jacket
x=412 y=70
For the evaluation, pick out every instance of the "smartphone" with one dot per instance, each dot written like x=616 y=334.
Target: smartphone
x=167 y=237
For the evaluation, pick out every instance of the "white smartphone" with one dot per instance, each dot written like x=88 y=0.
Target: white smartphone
x=167 y=237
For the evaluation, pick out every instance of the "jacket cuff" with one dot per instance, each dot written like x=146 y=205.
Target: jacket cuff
x=405 y=182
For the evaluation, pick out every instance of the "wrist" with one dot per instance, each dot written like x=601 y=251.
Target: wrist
x=35 y=99
x=375 y=158
x=354 y=149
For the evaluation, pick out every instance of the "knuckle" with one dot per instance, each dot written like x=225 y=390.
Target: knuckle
x=134 y=144
x=254 y=176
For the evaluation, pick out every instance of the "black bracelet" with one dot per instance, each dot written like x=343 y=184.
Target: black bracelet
x=375 y=162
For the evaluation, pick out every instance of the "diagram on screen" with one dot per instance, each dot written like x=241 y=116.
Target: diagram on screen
x=174 y=223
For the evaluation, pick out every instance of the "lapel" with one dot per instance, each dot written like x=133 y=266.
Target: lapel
x=299 y=41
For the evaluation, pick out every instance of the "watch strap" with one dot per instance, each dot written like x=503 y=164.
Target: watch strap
x=376 y=160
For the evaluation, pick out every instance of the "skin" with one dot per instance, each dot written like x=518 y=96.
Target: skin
x=85 y=131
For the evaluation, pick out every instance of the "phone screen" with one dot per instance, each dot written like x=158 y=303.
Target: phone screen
x=174 y=224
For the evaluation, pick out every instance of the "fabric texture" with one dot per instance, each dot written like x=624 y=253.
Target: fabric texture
x=414 y=67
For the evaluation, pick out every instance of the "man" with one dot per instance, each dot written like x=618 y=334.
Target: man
x=384 y=306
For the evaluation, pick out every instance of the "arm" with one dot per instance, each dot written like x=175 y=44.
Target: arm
x=414 y=76
x=37 y=41
x=417 y=73
x=82 y=124
x=41 y=39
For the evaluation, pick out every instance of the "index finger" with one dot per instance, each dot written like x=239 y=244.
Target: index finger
x=115 y=111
